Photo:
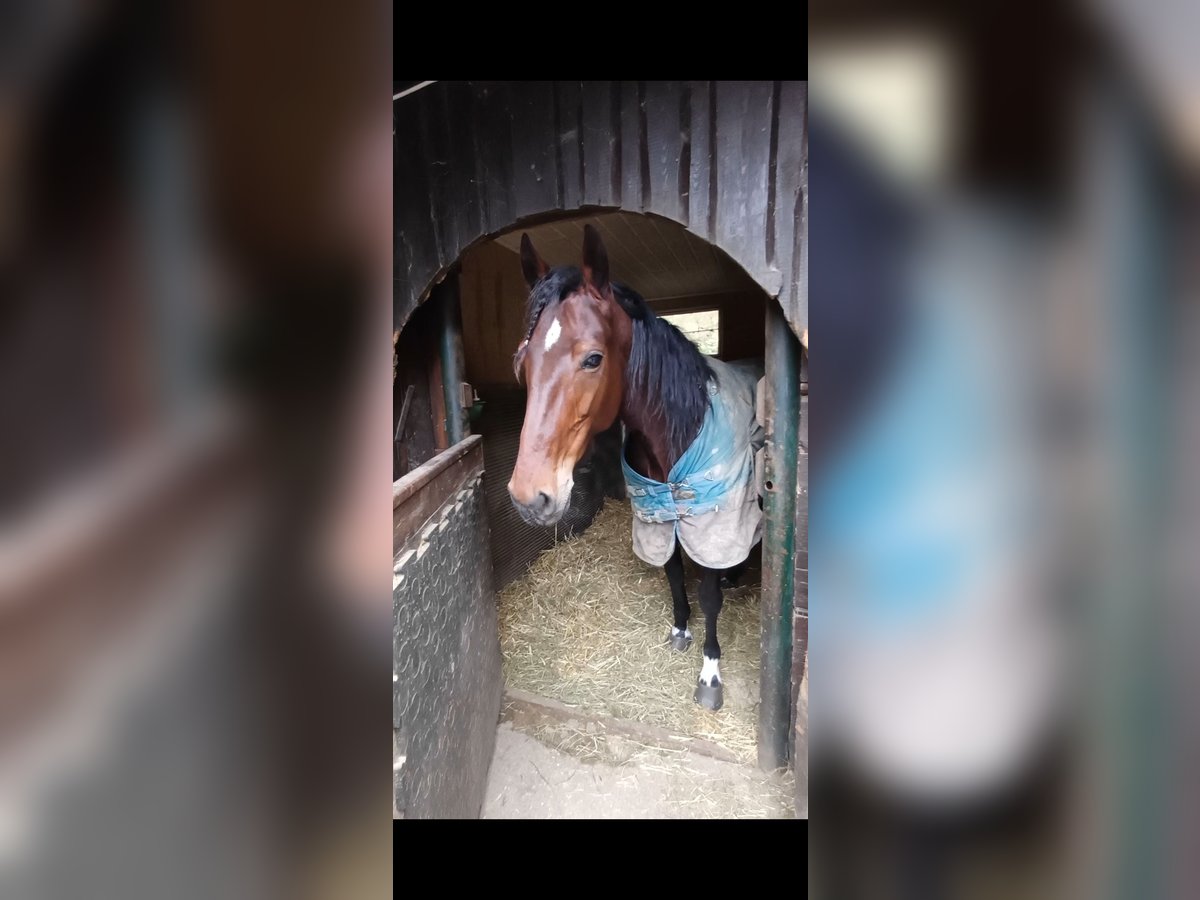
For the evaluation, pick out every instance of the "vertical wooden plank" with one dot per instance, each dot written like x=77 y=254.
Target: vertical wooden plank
x=500 y=347
x=791 y=171
x=633 y=146
x=475 y=141
x=570 y=144
x=430 y=112
x=742 y=157
x=493 y=295
x=664 y=146
x=403 y=301
x=700 y=175
x=535 y=168
x=493 y=137
x=464 y=218
x=474 y=307
x=684 y=174
x=601 y=144
x=504 y=322
x=511 y=294
x=416 y=250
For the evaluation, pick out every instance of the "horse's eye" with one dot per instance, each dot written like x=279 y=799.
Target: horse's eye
x=592 y=361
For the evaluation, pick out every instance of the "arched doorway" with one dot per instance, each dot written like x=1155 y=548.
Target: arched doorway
x=714 y=166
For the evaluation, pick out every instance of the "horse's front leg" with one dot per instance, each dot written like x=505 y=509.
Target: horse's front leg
x=710 y=692
x=681 y=636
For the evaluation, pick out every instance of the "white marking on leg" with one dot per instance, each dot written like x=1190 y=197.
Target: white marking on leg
x=553 y=333
x=710 y=673
x=675 y=632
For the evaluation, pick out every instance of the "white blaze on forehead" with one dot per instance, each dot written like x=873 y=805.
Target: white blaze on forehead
x=552 y=333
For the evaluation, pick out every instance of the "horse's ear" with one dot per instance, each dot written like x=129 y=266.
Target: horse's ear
x=532 y=265
x=595 y=259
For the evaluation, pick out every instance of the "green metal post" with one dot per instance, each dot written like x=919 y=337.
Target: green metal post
x=453 y=360
x=779 y=539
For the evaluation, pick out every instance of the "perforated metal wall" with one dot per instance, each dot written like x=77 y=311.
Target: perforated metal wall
x=446 y=696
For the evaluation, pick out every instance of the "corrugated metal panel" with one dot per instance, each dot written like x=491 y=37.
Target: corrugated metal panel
x=516 y=544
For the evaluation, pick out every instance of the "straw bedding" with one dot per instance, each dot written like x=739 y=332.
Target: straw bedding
x=587 y=625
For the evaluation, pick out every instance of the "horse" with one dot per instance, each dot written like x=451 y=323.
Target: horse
x=594 y=352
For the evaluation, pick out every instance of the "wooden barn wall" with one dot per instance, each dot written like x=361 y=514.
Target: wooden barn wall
x=726 y=159
x=493 y=292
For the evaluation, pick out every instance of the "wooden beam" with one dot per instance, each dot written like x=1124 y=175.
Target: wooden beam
x=420 y=493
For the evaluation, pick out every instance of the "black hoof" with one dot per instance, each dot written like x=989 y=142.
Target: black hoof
x=709 y=696
x=680 y=641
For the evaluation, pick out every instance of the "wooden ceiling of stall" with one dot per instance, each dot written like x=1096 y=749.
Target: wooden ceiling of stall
x=656 y=257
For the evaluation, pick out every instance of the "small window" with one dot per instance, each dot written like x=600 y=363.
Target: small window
x=703 y=328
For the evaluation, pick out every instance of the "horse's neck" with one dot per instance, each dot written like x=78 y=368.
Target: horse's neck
x=648 y=450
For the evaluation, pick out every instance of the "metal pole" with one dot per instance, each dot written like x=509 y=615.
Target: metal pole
x=457 y=426
x=779 y=538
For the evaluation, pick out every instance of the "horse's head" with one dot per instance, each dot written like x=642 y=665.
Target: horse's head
x=573 y=361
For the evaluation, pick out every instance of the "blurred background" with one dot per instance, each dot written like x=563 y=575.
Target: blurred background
x=195 y=298
x=195 y=306
x=1003 y=519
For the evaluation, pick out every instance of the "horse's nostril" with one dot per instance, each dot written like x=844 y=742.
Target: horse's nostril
x=542 y=501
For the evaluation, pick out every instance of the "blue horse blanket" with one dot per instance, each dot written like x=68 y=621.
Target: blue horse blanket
x=710 y=499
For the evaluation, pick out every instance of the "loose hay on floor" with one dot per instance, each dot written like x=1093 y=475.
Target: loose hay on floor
x=587 y=625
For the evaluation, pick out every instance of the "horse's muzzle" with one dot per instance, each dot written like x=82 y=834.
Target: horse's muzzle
x=541 y=510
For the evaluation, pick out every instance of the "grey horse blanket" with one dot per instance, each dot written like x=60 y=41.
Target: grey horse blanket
x=709 y=502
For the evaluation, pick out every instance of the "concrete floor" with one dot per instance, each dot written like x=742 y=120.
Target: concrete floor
x=582 y=770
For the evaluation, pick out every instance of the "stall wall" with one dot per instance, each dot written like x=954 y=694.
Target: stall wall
x=493 y=292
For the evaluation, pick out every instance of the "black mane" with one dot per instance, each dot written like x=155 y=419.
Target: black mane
x=666 y=371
